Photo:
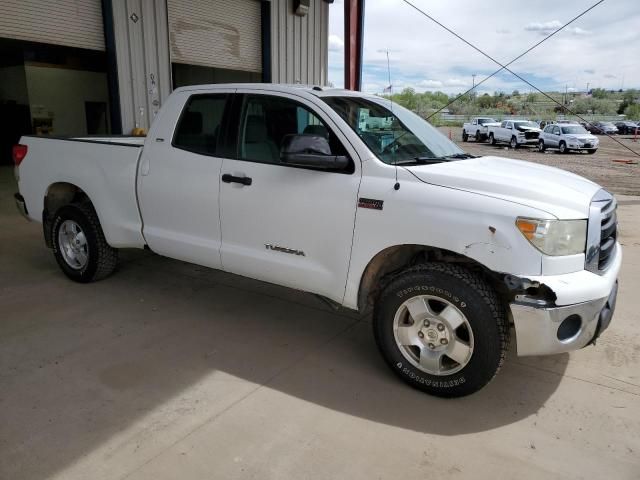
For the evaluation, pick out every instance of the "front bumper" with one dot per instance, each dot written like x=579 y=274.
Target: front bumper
x=542 y=330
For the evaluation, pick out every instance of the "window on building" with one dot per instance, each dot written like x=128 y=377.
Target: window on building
x=184 y=75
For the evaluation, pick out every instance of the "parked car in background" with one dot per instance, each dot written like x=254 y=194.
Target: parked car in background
x=566 y=137
x=515 y=133
x=601 y=128
x=478 y=128
x=627 y=127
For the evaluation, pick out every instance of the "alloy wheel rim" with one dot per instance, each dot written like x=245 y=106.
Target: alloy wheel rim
x=433 y=335
x=73 y=245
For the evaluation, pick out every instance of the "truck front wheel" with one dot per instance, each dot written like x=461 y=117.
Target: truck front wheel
x=79 y=245
x=442 y=329
x=492 y=139
x=465 y=136
x=513 y=143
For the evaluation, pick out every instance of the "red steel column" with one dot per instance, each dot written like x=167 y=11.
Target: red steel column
x=353 y=34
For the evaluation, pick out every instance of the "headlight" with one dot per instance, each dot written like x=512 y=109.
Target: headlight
x=555 y=237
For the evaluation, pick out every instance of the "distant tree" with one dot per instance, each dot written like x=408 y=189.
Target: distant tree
x=515 y=93
x=599 y=93
x=532 y=97
x=633 y=111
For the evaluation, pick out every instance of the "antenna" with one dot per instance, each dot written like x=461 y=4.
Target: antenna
x=396 y=186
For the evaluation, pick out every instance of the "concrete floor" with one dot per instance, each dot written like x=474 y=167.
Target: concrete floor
x=167 y=370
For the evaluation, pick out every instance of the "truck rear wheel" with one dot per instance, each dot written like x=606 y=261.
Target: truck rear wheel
x=442 y=329
x=465 y=136
x=478 y=136
x=79 y=245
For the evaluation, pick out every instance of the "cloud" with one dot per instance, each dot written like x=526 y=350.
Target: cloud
x=430 y=84
x=336 y=44
x=545 y=28
x=610 y=75
x=578 y=31
x=503 y=31
x=590 y=71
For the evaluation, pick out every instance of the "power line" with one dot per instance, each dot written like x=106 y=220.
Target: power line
x=505 y=67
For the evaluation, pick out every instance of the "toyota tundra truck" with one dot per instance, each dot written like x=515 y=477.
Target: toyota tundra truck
x=351 y=198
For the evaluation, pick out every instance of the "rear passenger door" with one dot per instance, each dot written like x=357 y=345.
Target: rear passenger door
x=287 y=225
x=179 y=179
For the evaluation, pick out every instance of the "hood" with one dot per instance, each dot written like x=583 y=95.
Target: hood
x=557 y=192
x=524 y=128
x=585 y=137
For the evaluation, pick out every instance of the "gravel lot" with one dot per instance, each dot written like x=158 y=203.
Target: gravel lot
x=619 y=178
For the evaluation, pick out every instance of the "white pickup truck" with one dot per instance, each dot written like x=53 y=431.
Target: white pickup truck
x=288 y=185
x=515 y=133
x=478 y=128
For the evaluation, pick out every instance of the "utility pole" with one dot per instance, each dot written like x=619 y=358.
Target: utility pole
x=473 y=76
x=587 y=88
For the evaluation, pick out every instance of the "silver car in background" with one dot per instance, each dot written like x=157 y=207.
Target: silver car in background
x=566 y=137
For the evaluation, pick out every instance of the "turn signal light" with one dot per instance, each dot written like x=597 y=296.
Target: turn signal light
x=19 y=152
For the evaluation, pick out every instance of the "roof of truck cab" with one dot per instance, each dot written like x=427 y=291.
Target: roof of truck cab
x=277 y=87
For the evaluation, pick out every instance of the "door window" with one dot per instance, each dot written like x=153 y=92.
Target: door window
x=266 y=120
x=199 y=126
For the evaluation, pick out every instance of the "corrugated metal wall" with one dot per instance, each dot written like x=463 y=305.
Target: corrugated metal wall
x=73 y=23
x=142 y=48
x=221 y=34
x=299 y=50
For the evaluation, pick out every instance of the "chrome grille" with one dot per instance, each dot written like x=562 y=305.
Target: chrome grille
x=608 y=234
x=602 y=232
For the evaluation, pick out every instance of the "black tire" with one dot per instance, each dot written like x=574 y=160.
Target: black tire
x=492 y=139
x=465 y=136
x=101 y=257
x=591 y=151
x=562 y=147
x=541 y=146
x=478 y=136
x=474 y=298
x=513 y=143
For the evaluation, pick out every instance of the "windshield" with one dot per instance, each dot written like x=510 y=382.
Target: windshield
x=395 y=136
x=482 y=121
x=573 y=129
x=525 y=124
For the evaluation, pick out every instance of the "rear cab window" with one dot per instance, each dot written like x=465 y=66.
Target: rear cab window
x=199 y=128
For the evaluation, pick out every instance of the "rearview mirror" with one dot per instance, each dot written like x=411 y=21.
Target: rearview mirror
x=313 y=151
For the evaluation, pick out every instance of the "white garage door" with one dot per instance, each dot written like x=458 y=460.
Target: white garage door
x=73 y=23
x=220 y=33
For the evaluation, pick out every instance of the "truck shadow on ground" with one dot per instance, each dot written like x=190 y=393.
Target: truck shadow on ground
x=101 y=356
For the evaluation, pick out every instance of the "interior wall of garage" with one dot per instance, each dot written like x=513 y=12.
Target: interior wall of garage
x=62 y=94
x=299 y=45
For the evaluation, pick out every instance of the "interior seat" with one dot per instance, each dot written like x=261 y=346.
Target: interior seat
x=257 y=144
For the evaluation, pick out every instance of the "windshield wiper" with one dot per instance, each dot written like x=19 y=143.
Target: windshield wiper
x=461 y=156
x=419 y=161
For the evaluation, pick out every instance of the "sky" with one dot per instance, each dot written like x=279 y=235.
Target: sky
x=601 y=49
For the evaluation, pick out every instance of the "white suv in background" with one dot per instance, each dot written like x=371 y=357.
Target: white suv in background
x=566 y=137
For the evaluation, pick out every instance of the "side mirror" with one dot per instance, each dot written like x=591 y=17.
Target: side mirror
x=313 y=151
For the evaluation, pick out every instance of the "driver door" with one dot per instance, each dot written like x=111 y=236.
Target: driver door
x=288 y=225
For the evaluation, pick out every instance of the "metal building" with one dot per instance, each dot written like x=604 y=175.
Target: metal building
x=75 y=67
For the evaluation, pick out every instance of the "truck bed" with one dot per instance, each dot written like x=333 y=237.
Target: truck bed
x=104 y=168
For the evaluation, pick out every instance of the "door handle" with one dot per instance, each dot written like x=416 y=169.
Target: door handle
x=228 y=178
